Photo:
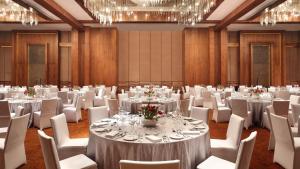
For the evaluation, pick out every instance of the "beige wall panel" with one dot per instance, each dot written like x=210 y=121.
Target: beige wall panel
x=155 y=56
x=166 y=56
x=2 y=64
x=123 y=56
x=134 y=60
x=177 y=58
x=65 y=64
x=145 y=57
x=233 y=64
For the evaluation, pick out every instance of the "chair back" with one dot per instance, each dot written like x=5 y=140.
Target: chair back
x=128 y=164
x=245 y=152
x=16 y=132
x=107 y=91
x=63 y=95
x=235 y=129
x=184 y=107
x=89 y=98
x=60 y=129
x=49 y=107
x=239 y=107
x=113 y=106
x=281 y=107
x=122 y=97
x=214 y=103
x=4 y=114
x=200 y=113
x=206 y=96
x=191 y=102
x=282 y=132
x=20 y=111
x=101 y=92
x=97 y=113
x=296 y=112
x=218 y=97
x=49 y=151
x=113 y=93
x=282 y=94
x=294 y=99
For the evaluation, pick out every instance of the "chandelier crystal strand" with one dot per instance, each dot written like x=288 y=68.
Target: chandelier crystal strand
x=188 y=12
x=282 y=13
x=11 y=11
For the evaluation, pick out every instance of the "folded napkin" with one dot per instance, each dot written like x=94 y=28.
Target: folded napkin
x=197 y=122
x=154 y=139
x=111 y=134
x=190 y=132
x=99 y=124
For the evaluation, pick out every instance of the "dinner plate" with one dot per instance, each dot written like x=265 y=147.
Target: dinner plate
x=130 y=137
x=176 y=136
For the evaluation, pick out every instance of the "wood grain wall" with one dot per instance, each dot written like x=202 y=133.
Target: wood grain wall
x=20 y=60
x=6 y=53
x=150 y=57
x=196 y=56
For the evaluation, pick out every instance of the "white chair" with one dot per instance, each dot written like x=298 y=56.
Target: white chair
x=5 y=114
x=219 y=100
x=184 y=107
x=65 y=145
x=51 y=157
x=97 y=113
x=207 y=101
x=295 y=113
x=191 y=103
x=113 y=94
x=293 y=100
x=200 y=113
x=41 y=119
x=240 y=107
x=19 y=111
x=287 y=148
x=122 y=97
x=12 y=149
x=128 y=164
x=280 y=107
x=227 y=149
x=63 y=96
x=282 y=94
x=113 y=107
x=73 y=114
x=89 y=99
x=243 y=159
x=220 y=114
x=73 y=99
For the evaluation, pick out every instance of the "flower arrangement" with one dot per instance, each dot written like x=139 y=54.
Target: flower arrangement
x=149 y=92
x=256 y=91
x=30 y=91
x=220 y=87
x=151 y=112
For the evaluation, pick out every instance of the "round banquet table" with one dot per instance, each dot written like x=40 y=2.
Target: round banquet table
x=257 y=107
x=191 y=150
x=133 y=105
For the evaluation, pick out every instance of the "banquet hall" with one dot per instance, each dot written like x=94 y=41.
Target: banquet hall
x=149 y=84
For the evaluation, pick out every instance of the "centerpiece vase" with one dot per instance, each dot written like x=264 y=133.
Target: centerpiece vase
x=149 y=122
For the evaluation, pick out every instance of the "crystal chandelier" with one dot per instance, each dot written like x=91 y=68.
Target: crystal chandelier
x=11 y=11
x=188 y=12
x=282 y=13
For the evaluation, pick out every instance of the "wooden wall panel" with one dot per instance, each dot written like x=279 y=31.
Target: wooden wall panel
x=75 y=57
x=23 y=39
x=145 y=57
x=275 y=39
x=166 y=56
x=134 y=56
x=123 y=64
x=156 y=47
x=196 y=54
x=177 y=58
x=224 y=56
x=103 y=56
x=233 y=57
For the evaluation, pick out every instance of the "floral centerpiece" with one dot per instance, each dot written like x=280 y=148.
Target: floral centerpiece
x=255 y=92
x=30 y=91
x=220 y=87
x=151 y=115
x=149 y=92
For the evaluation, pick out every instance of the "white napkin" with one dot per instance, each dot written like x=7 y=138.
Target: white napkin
x=154 y=139
x=190 y=132
x=99 y=124
x=197 y=122
x=112 y=134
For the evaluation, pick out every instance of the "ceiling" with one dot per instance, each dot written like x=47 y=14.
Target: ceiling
x=72 y=13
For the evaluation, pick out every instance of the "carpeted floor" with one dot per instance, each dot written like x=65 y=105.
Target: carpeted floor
x=261 y=158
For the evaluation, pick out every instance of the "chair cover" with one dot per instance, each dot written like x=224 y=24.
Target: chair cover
x=200 y=113
x=97 y=113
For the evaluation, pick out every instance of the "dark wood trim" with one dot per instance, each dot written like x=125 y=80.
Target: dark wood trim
x=218 y=3
x=244 y=8
x=25 y=5
x=81 y=4
x=57 y=10
x=271 y=6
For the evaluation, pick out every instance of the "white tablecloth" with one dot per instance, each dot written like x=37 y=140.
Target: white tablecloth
x=191 y=150
x=134 y=105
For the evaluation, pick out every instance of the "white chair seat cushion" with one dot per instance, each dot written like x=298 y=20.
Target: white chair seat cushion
x=73 y=147
x=3 y=132
x=76 y=142
x=216 y=163
x=2 y=141
x=224 y=108
x=198 y=101
x=78 y=161
x=297 y=142
x=223 y=149
x=221 y=105
x=12 y=115
x=69 y=109
x=68 y=105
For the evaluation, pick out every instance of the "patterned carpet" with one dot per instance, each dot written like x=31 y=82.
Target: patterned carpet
x=261 y=158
